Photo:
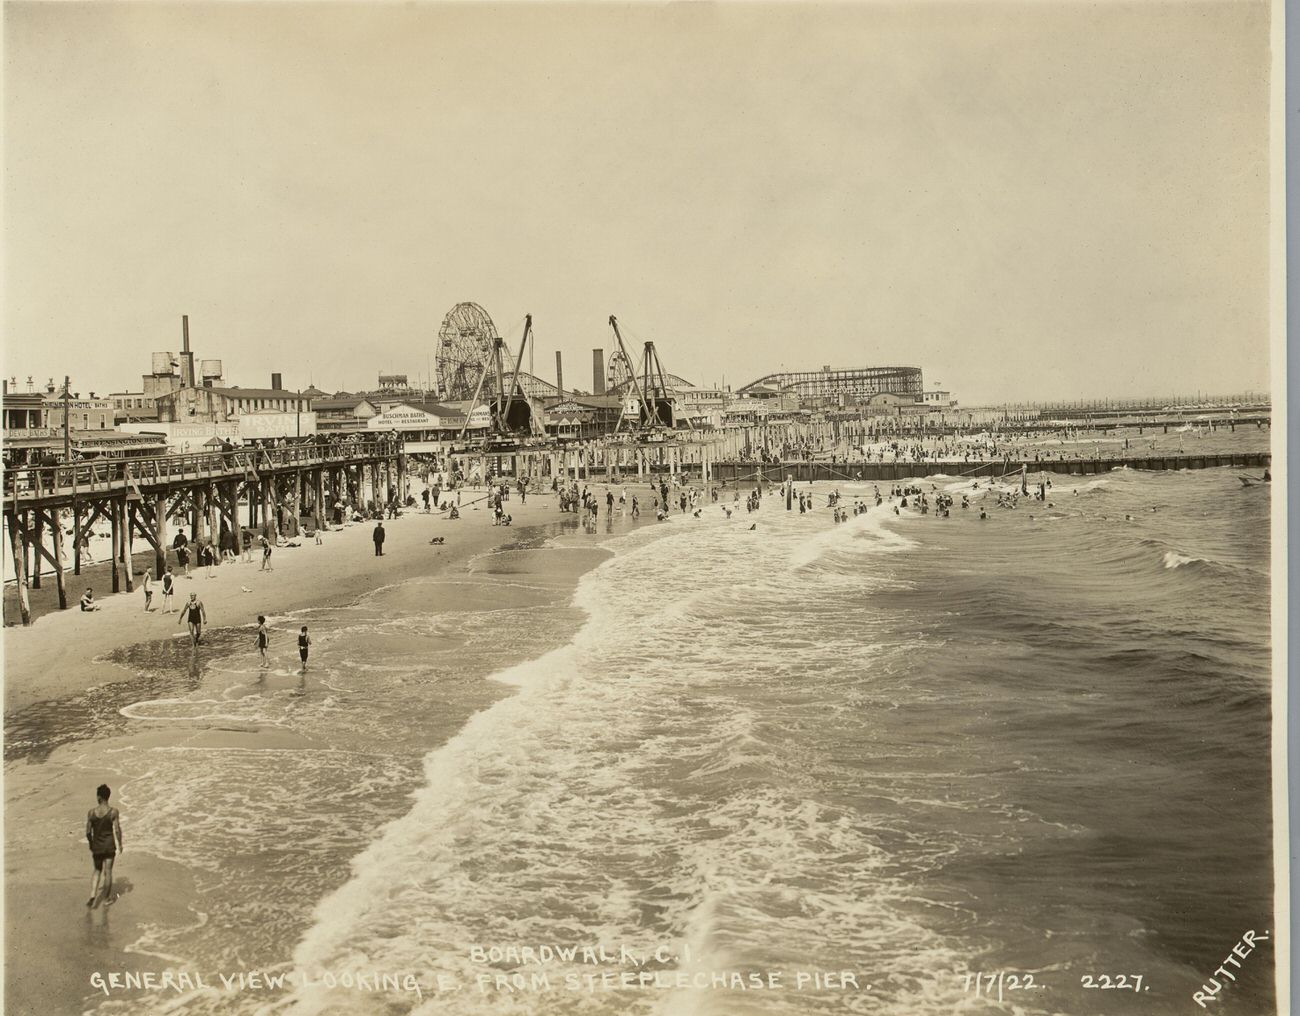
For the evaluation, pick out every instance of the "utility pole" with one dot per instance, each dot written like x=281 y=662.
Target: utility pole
x=67 y=439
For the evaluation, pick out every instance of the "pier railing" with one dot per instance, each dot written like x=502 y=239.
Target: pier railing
x=99 y=476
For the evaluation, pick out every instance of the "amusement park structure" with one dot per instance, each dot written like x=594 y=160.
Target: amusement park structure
x=656 y=409
x=512 y=411
x=857 y=384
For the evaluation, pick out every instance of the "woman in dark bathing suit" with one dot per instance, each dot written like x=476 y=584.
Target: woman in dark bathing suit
x=196 y=616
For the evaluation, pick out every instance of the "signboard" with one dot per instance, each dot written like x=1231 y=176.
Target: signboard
x=403 y=417
x=264 y=425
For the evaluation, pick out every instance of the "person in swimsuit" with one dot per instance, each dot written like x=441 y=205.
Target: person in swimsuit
x=103 y=828
x=168 y=586
x=197 y=617
x=304 y=644
x=263 y=640
x=266 y=555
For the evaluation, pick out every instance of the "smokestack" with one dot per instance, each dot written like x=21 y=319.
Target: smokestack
x=597 y=372
x=275 y=382
x=559 y=374
x=187 y=358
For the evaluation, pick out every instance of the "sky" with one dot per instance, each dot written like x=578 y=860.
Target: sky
x=1030 y=201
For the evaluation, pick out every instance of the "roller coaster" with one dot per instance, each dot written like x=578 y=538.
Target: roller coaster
x=855 y=383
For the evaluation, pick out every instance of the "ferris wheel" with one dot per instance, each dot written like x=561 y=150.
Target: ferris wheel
x=618 y=372
x=465 y=344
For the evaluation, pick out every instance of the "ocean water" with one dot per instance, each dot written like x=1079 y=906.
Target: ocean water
x=864 y=763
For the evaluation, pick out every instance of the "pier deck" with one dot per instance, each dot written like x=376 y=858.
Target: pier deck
x=202 y=491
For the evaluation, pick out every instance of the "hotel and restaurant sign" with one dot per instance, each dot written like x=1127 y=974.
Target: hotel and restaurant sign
x=405 y=417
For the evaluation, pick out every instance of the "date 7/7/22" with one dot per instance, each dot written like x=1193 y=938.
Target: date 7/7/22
x=997 y=984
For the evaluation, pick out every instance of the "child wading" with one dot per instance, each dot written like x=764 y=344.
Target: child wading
x=263 y=640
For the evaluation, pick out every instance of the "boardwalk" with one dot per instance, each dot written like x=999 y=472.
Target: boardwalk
x=201 y=493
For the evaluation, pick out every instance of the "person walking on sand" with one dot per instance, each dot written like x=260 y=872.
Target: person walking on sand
x=147 y=585
x=266 y=554
x=196 y=616
x=168 y=587
x=304 y=644
x=104 y=835
x=379 y=539
x=181 y=545
x=263 y=641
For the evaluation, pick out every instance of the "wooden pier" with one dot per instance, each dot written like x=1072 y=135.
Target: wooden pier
x=199 y=493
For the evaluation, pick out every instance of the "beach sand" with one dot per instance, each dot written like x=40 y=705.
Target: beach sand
x=56 y=654
x=54 y=942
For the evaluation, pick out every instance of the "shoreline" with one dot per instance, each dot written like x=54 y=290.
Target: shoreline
x=48 y=964
x=54 y=649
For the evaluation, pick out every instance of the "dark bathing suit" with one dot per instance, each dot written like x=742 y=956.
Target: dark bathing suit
x=196 y=614
x=302 y=647
x=102 y=847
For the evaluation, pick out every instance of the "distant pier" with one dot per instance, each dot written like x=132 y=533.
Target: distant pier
x=855 y=470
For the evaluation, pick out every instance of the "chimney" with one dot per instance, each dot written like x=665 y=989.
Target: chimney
x=559 y=374
x=597 y=372
x=49 y=387
x=187 y=358
x=275 y=382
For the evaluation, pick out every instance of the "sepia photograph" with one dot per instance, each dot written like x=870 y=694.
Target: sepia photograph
x=641 y=509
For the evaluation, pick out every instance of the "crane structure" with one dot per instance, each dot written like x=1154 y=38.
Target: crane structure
x=512 y=410
x=655 y=412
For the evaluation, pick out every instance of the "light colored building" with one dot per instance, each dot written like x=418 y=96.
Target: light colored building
x=429 y=427
x=133 y=406
x=704 y=407
x=83 y=414
x=220 y=405
x=33 y=430
x=343 y=414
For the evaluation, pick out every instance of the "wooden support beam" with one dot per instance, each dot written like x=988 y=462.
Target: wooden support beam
x=214 y=515
x=29 y=528
x=38 y=541
x=76 y=537
x=160 y=533
x=56 y=523
x=200 y=514
x=140 y=517
x=117 y=540
x=126 y=548
x=273 y=510
x=18 y=541
x=230 y=493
